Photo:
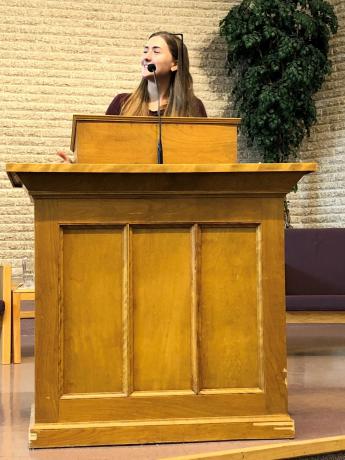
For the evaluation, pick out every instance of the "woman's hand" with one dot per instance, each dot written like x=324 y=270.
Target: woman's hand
x=65 y=157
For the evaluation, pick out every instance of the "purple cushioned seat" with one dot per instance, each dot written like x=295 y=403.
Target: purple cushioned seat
x=315 y=269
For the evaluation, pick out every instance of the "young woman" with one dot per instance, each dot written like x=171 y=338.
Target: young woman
x=177 y=99
x=170 y=56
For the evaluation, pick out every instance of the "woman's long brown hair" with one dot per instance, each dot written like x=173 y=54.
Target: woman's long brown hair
x=182 y=101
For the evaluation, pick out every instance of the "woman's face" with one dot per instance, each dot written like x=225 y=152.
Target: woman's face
x=156 y=51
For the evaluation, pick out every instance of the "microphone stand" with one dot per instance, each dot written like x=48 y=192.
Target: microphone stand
x=159 y=145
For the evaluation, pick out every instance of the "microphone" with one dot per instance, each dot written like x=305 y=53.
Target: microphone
x=152 y=68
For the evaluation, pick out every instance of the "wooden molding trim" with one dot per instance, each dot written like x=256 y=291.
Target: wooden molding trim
x=43 y=435
x=315 y=317
x=289 y=449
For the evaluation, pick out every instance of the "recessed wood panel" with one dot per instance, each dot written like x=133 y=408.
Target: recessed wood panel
x=161 y=272
x=92 y=309
x=229 y=336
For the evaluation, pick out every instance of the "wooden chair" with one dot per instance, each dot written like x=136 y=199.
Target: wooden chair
x=18 y=295
x=5 y=312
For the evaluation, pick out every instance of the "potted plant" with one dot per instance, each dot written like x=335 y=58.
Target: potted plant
x=277 y=54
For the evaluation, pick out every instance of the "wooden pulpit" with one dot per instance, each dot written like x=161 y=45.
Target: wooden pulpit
x=160 y=306
x=133 y=140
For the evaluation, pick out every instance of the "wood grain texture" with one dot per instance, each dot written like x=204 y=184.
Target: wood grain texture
x=127 y=313
x=170 y=180
x=48 y=324
x=92 y=309
x=18 y=295
x=229 y=306
x=84 y=434
x=276 y=451
x=255 y=168
x=161 y=302
x=180 y=355
x=315 y=317
x=6 y=332
x=134 y=139
x=195 y=292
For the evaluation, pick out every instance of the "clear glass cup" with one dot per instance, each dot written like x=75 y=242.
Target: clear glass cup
x=28 y=267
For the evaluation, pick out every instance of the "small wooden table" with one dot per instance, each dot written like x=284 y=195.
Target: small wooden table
x=18 y=295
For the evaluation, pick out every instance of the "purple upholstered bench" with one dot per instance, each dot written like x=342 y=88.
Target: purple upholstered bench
x=315 y=274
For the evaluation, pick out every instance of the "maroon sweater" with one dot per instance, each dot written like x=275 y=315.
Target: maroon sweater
x=118 y=101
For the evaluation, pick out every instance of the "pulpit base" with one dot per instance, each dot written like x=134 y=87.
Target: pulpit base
x=44 y=435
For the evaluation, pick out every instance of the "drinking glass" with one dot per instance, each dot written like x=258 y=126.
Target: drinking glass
x=28 y=272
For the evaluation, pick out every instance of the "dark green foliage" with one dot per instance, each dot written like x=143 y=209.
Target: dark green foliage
x=277 y=54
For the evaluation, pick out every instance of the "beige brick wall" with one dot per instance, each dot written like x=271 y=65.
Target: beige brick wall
x=63 y=57
x=320 y=200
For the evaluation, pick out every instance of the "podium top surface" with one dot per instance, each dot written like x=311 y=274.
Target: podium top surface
x=77 y=118
x=151 y=119
x=116 y=178
x=12 y=168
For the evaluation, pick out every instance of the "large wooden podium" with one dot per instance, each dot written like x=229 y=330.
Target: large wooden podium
x=160 y=311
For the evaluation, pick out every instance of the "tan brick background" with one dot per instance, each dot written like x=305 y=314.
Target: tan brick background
x=320 y=200
x=62 y=57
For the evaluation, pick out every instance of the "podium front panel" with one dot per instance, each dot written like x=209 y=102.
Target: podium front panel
x=165 y=314
x=133 y=140
x=160 y=302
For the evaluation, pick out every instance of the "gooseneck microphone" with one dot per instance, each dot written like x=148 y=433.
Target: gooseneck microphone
x=152 y=68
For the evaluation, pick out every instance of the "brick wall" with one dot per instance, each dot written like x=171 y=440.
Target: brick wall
x=320 y=200
x=63 y=57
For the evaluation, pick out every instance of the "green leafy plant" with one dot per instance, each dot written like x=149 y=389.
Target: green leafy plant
x=277 y=55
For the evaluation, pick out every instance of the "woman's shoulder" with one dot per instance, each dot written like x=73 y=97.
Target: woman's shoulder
x=117 y=103
x=200 y=108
